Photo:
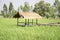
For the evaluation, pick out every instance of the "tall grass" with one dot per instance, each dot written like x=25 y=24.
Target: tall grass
x=10 y=31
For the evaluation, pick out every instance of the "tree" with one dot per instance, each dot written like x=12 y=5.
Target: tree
x=20 y=9
x=10 y=9
x=52 y=12
x=26 y=7
x=42 y=8
x=39 y=7
x=57 y=7
x=5 y=10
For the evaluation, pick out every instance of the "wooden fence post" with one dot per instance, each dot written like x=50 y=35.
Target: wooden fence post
x=32 y=21
x=25 y=21
x=17 y=21
x=28 y=22
x=36 y=21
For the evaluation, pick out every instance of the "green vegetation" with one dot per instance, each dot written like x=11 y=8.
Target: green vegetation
x=47 y=10
x=8 y=12
x=4 y=12
x=43 y=8
x=10 y=31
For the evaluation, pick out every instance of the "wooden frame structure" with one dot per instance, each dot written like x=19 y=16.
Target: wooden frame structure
x=27 y=17
x=27 y=22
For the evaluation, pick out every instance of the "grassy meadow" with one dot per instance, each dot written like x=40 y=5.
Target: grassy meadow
x=10 y=31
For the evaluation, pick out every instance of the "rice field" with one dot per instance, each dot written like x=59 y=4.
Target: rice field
x=10 y=31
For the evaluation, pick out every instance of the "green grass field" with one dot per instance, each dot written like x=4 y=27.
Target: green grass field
x=10 y=31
